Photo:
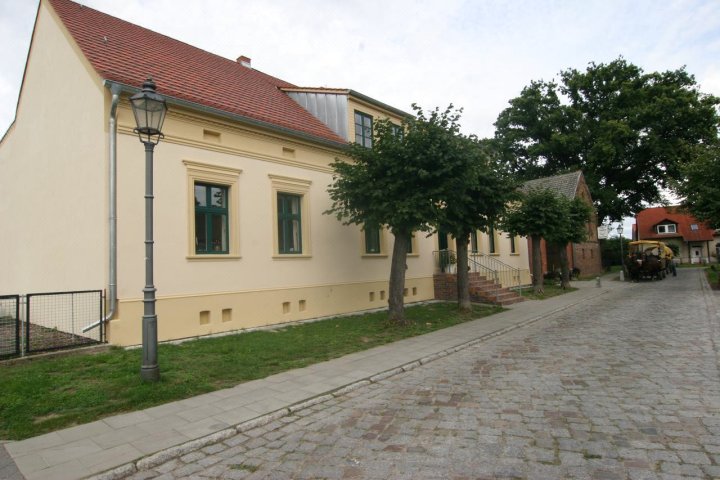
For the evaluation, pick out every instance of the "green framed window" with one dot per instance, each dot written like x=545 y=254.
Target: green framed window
x=473 y=242
x=211 y=219
x=513 y=248
x=289 y=223
x=492 y=248
x=372 y=240
x=397 y=131
x=363 y=129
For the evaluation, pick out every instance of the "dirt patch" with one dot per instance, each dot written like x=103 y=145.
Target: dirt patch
x=41 y=338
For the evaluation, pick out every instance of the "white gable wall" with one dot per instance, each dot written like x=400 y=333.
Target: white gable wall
x=53 y=172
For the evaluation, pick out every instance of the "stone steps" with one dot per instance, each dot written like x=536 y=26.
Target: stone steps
x=481 y=290
x=495 y=294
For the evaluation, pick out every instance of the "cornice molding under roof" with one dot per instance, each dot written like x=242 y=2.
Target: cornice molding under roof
x=233 y=117
x=380 y=104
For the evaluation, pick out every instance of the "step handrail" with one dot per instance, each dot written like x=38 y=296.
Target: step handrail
x=445 y=259
x=507 y=275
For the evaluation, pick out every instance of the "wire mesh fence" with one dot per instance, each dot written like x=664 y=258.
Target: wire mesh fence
x=9 y=326
x=56 y=320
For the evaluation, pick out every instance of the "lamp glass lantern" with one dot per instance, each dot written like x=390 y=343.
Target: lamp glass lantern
x=149 y=109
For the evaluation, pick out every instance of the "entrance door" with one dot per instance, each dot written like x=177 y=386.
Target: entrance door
x=696 y=251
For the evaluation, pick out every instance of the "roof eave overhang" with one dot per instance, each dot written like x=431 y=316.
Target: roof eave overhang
x=235 y=117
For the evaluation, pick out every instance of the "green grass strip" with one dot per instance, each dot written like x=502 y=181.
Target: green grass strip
x=46 y=394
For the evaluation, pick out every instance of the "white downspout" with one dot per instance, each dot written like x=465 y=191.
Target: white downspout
x=112 y=210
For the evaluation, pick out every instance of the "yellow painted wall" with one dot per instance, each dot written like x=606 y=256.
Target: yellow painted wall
x=185 y=316
x=53 y=172
x=356 y=104
x=334 y=277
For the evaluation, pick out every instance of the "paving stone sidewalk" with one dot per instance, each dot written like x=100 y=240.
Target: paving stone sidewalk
x=626 y=386
x=121 y=443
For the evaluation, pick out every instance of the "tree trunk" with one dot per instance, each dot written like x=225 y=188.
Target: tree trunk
x=537 y=265
x=398 y=266
x=564 y=267
x=463 y=280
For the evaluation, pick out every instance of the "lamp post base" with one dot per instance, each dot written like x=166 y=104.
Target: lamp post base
x=150 y=374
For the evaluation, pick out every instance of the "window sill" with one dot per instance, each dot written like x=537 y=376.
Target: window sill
x=413 y=254
x=494 y=254
x=213 y=257
x=374 y=255
x=514 y=254
x=286 y=256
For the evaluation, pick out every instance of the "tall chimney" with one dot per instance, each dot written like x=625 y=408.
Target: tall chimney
x=244 y=61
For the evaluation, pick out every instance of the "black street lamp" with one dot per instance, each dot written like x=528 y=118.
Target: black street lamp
x=622 y=260
x=149 y=109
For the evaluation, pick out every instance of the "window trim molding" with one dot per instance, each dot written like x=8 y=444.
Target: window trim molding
x=224 y=176
x=293 y=186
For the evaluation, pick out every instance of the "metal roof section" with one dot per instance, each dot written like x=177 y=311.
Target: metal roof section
x=330 y=106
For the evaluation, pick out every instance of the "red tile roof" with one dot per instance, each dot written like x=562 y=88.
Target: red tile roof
x=125 y=53
x=647 y=219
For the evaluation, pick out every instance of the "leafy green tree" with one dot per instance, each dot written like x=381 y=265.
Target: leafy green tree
x=610 y=250
x=700 y=185
x=576 y=214
x=399 y=183
x=539 y=213
x=473 y=201
x=628 y=131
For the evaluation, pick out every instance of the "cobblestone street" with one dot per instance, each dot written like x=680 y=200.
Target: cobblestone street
x=625 y=386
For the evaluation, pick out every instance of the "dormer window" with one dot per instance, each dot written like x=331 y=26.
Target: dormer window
x=694 y=226
x=363 y=129
x=666 y=228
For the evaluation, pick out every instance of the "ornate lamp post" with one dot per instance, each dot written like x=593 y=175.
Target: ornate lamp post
x=149 y=109
x=622 y=260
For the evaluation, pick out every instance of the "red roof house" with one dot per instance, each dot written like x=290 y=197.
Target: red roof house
x=694 y=240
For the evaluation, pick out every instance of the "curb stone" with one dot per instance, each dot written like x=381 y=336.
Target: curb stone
x=262 y=420
x=180 y=450
x=309 y=403
x=386 y=374
x=410 y=366
x=352 y=387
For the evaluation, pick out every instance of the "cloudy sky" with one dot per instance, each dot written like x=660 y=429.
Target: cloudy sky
x=475 y=54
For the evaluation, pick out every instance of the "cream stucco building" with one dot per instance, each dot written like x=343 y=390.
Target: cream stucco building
x=241 y=181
